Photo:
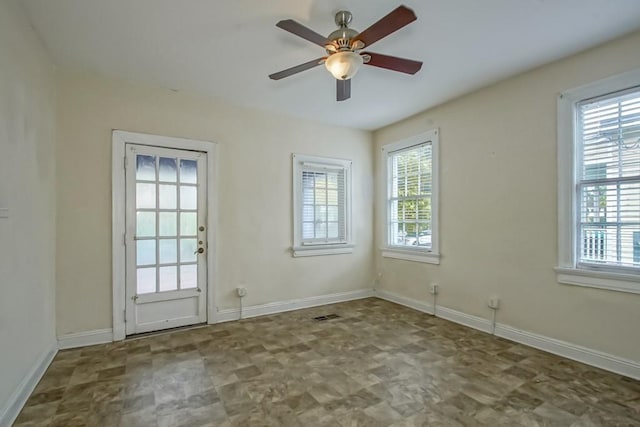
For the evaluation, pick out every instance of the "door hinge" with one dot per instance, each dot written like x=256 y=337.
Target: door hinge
x=125 y=161
x=124 y=239
x=124 y=313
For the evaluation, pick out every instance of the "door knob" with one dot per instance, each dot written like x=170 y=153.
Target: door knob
x=199 y=251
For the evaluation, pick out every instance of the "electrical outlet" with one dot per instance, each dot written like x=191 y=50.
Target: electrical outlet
x=242 y=291
x=494 y=302
x=434 y=289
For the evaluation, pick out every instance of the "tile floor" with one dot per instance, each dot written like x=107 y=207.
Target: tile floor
x=378 y=364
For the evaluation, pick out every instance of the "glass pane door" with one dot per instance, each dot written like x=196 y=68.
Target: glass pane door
x=166 y=231
x=166 y=237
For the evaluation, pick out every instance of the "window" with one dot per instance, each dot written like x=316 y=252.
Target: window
x=321 y=206
x=599 y=187
x=608 y=183
x=411 y=202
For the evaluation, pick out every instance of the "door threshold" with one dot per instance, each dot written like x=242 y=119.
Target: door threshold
x=133 y=337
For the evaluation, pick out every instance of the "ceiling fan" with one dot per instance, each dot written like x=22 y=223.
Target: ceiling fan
x=344 y=45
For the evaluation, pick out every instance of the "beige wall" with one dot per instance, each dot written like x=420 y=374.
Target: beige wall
x=254 y=204
x=27 y=138
x=498 y=208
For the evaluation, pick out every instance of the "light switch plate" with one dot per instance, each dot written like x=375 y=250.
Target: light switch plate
x=4 y=212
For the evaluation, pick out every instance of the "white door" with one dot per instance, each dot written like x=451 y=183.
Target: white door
x=165 y=238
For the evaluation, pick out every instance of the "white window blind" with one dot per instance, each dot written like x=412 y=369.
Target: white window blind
x=410 y=183
x=608 y=180
x=323 y=205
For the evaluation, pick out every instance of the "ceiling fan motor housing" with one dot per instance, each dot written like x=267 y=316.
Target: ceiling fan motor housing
x=340 y=39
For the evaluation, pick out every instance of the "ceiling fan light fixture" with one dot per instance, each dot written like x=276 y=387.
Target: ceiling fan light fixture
x=342 y=46
x=343 y=65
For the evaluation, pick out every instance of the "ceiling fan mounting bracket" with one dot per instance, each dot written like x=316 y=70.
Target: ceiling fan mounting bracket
x=343 y=18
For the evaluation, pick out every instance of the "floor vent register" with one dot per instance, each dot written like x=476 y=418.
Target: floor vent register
x=326 y=317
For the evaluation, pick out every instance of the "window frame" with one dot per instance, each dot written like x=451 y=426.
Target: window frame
x=417 y=254
x=569 y=270
x=300 y=248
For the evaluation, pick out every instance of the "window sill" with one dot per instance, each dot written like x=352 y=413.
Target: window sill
x=319 y=250
x=598 y=279
x=411 y=255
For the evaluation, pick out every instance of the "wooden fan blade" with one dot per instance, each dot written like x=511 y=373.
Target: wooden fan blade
x=343 y=89
x=395 y=20
x=393 y=63
x=297 y=69
x=301 y=31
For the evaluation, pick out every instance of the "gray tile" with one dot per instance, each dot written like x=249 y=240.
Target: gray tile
x=378 y=364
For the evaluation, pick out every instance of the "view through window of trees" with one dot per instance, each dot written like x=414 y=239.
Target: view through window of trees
x=410 y=197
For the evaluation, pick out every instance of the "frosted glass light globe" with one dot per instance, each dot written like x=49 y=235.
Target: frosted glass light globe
x=343 y=65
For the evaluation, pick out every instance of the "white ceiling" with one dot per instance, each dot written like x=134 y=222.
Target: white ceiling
x=226 y=49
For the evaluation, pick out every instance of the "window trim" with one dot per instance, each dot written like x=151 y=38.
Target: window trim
x=431 y=255
x=300 y=249
x=569 y=271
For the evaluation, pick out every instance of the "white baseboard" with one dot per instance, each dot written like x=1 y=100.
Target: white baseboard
x=407 y=302
x=230 y=314
x=585 y=355
x=16 y=401
x=475 y=322
x=101 y=336
x=571 y=351
x=455 y=316
x=83 y=339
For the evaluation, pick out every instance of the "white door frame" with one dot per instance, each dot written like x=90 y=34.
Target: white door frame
x=119 y=140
